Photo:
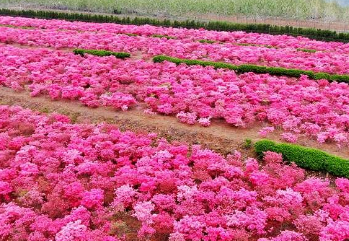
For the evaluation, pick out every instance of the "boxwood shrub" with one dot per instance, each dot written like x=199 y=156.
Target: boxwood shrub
x=120 y=55
x=256 y=69
x=308 y=158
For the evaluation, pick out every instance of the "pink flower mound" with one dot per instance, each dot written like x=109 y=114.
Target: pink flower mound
x=72 y=231
x=68 y=181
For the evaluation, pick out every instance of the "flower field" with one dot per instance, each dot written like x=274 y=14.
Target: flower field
x=67 y=180
x=194 y=94
x=288 y=57
x=70 y=181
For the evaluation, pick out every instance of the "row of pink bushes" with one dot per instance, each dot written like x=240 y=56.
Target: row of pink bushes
x=331 y=62
x=280 y=41
x=192 y=93
x=66 y=181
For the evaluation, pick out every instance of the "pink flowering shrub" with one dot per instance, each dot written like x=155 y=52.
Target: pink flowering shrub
x=63 y=181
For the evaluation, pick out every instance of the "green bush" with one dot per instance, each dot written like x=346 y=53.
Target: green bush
x=162 y=36
x=207 y=41
x=119 y=55
x=308 y=158
x=255 y=69
x=307 y=50
x=318 y=34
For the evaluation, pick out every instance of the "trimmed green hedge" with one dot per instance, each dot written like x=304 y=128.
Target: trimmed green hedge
x=318 y=34
x=207 y=41
x=308 y=158
x=119 y=55
x=256 y=69
x=162 y=36
x=307 y=50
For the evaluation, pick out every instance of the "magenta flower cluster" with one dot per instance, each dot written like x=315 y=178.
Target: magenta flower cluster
x=68 y=181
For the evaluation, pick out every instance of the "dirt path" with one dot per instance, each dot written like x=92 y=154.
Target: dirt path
x=220 y=136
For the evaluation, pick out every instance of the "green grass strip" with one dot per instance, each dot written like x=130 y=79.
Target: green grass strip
x=308 y=158
x=256 y=69
x=119 y=55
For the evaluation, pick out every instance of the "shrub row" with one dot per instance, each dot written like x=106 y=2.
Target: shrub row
x=318 y=34
x=207 y=41
x=307 y=50
x=308 y=158
x=256 y=69
x=162 y=36
x=120 y=55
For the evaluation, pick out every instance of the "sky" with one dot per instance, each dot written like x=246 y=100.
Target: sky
x=343 y=2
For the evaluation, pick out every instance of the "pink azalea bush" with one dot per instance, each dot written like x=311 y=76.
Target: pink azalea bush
x=63 y=181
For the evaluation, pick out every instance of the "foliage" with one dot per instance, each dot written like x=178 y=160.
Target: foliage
x=101 y=53
x=244 y=68
x=308 y=158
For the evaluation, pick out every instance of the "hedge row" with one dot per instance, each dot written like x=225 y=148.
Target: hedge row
x=308 y=158
x=119 y=55
x=318 y=34
x=162 y=36
x=307 y=50
x=207 y=41
x=256 y=69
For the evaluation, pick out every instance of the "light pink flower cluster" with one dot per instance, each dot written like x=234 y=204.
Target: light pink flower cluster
x=68 y=181
x=193 y=93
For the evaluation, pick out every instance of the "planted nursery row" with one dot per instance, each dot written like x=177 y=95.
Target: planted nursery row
x=242 y=38
x=66 y=181
x=289 y=58
x=255 y=69
x=195 y=94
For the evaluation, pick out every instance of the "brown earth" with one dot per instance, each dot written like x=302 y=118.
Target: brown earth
x=220 y=136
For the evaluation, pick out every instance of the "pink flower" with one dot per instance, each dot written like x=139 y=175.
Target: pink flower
x=93 y=198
